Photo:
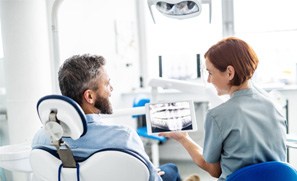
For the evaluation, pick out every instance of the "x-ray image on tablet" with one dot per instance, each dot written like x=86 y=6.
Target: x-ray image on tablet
x=170 y=116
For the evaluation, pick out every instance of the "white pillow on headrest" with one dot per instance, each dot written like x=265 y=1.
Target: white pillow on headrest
x=72 y=117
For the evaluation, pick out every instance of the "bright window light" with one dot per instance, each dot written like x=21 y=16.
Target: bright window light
x=1 y=45
x=269 y=26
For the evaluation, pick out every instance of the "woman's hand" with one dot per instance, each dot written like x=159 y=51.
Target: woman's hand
x=178 y=136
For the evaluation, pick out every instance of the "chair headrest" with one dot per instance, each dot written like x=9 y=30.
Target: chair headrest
x=72 y=120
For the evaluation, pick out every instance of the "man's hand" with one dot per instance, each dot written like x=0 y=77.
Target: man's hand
x=160 y=172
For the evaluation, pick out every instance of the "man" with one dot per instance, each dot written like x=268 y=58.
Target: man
x=84 y=79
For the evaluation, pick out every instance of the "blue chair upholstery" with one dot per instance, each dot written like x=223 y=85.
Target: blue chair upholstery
x=272 y=171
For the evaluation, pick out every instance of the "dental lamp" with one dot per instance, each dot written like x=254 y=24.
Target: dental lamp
x=179 y=9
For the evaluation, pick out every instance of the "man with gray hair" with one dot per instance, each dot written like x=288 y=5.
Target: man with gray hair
x=84 y=79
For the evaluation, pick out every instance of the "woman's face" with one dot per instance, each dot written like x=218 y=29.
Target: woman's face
x=219 y=79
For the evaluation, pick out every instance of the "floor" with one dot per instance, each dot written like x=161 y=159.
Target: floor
x=187 y=168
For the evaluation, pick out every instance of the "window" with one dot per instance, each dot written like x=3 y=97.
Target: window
x=1 y=45
x=269 y=26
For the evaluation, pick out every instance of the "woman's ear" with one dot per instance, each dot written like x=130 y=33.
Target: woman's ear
x=230 y=72
x=88 y=96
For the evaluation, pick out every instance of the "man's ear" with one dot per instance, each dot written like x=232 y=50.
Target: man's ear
x=89 y=96
x=230 y=72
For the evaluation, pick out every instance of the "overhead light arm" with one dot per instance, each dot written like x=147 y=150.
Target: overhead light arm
x=210 y=8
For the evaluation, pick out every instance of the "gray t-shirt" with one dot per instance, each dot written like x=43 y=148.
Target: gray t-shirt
x=247 y=129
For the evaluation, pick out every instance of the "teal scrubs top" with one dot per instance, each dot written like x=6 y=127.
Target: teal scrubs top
x=246 y=129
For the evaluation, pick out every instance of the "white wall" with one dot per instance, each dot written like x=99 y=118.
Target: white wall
x=104 y=28
x=26 y=64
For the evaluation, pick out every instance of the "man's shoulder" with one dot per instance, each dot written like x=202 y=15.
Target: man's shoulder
x=110 y=128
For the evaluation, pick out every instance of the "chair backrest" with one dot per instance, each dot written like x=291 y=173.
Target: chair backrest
x=272 y=171
x=71 y=118
x=111 y=165
x=63 y=117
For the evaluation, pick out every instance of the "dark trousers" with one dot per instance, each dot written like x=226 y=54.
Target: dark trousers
x=171 y=172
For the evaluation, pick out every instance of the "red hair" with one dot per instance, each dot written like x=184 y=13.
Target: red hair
x=237 y=53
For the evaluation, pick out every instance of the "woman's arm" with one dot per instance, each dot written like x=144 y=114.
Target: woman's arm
x=196 y=152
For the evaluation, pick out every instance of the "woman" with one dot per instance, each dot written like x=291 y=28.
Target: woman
x=246 y=129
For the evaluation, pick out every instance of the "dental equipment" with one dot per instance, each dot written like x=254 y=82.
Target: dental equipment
x=179 y=9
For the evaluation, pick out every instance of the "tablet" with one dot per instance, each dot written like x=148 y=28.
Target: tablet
x=170 y=116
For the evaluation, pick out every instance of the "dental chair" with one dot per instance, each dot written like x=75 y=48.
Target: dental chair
x=63 y=117
x=272 y=171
